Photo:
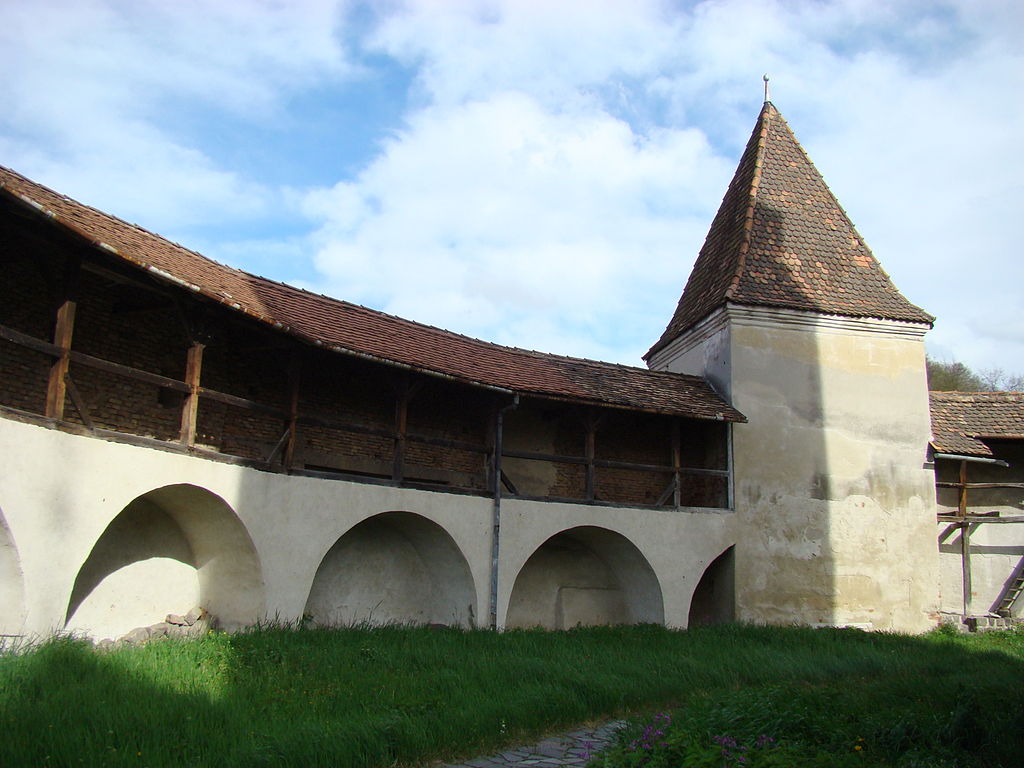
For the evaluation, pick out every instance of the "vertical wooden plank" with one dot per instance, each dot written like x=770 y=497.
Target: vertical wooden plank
x=965 y=540
x=962 y=505
x=590 y=452
x=78 y=401
x=294 y=384
x=63 y=332
x=677 y=462
x=401 y=426
x=190 y=407
x=56 y=388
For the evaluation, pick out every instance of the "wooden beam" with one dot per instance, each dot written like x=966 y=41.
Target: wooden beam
x=78 y=401
x=128 y=372
x=241 y=402
x=965 y=541
x=507 y=482
x=294 y=385
x=190 y=407
x=677 y=460
x=671 y=490
x=979 y=485
x=962 y=504
x=558 y=459
x=278 y=446
x=63 y=332
x=401 y=426
x=979 y=519
x=590 y=449
x=30 y=342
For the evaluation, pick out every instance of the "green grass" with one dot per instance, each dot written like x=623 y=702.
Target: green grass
x=375 y=697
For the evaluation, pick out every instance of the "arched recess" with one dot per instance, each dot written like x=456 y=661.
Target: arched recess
x=585 y=576
x=12 y=586
x=170 y=550
x=393 y=567
x=714 y=599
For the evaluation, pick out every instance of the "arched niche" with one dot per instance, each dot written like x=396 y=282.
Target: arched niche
x=12 y=587
x=714 y=599
x=585 y=576
x=396 y=567
x=170 y=550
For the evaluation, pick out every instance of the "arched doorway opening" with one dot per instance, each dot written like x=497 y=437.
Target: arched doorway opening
x=171 y=550
x=395 y=567
x=585 y=576
x=714 y=599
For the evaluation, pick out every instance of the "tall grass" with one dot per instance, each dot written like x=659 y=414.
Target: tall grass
x=379 y=696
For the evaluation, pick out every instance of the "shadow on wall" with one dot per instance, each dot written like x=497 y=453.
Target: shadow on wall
x=714 y=599
x=585 y=576
x=12 y=585
x=170 y=550
x=395 y=567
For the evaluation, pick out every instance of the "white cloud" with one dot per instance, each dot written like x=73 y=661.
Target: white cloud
x=490 y=215
x=560 y=163
x=90 y=88
x=550 y=181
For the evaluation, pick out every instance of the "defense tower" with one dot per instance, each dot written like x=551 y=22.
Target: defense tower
x=790 y=317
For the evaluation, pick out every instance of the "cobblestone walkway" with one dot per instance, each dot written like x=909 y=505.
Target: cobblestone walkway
x=569 y=750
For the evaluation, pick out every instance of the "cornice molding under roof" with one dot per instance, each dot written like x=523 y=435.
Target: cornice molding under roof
x=737 y=315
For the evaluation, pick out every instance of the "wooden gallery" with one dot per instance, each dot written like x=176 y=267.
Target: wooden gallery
x=177 y=435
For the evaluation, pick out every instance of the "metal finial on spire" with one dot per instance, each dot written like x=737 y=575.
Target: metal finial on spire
x=767 y=96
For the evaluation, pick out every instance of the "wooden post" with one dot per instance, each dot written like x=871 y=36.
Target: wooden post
x=591 y=451
x=677 y=462
x=57 y=387
x=294 y=382
x=965 y=540
x=62 y=334
x=190 y=407
x=401 y=427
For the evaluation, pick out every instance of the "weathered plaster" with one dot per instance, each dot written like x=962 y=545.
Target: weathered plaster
x=252 y=542
x=832 y=491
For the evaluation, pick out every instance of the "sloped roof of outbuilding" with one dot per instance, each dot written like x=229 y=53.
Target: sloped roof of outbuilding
x=781 y=239
x=353 y=329
x=961 y=420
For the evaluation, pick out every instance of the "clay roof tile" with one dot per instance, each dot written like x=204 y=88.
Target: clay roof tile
x=781 y=239
x=962 y=420
x=352 y=329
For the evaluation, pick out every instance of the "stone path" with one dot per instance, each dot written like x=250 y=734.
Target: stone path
x=570 y=750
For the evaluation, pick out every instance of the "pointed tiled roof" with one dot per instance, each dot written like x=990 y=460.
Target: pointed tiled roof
x=781 y=239
x=962 y=420
x=351 y=329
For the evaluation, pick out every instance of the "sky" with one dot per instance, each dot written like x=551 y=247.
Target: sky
x=538 y=173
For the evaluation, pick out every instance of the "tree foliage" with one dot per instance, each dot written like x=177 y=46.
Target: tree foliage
x=953 y=376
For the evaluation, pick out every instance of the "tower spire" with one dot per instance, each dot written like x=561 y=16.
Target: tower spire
x=780 y=239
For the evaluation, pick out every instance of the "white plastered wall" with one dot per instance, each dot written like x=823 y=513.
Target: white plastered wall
x=832 y=489
x=61 y=492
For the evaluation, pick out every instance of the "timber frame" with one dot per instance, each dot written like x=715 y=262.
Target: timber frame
x=684 y=464
x=967 y=522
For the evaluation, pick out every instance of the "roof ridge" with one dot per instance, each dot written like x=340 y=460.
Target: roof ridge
x=755 y=183
x=104 y=214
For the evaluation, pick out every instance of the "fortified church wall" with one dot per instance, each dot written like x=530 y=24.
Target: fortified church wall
x=177 y=434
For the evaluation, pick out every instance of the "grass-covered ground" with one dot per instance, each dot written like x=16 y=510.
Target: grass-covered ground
x=376 y=697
